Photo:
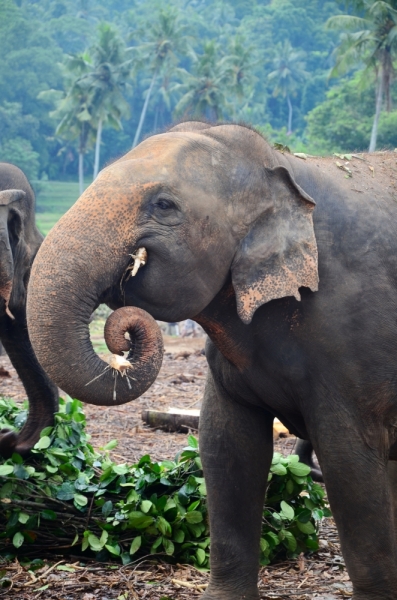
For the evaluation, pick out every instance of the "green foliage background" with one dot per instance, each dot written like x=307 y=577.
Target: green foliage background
x=35 y=37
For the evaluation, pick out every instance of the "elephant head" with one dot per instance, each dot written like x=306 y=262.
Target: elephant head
x=19 y=237
x=207 y=203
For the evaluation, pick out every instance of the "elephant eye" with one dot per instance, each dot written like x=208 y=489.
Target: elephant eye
x=165 y=211
x=164 y=204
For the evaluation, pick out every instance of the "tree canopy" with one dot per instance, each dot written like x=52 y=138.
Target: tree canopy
x=280 y=65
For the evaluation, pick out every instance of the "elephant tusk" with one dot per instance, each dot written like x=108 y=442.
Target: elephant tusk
x=140 y=258
x=9 y=313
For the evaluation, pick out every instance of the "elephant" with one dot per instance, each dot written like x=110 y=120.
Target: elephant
x=290 y=266
x=304 y=450
x=20 y=239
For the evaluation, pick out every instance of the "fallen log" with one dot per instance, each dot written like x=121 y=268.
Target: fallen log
x=176 y=419
x=181 y=419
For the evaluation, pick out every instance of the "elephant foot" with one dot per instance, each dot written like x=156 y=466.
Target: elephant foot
x=316 y=474
x=8 y=442
x=16 y=442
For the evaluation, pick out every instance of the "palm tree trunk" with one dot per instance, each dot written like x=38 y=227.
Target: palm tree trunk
x=81 y=172
x=97 y=148
x=289 y=130
x=144 y=109
x=388 y=72
x=156 y=115
x=379 y=98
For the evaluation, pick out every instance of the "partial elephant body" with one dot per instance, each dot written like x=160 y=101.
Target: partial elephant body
x=291 y=269
x=19 y=242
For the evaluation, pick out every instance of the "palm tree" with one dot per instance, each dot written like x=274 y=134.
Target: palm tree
x=164 y=93
x=241 y=60
x=205 y=90
x=166 y=38
x=288 y=74
x=73 y=107
x=95 y=82
x=111 y=68
x=372 y=40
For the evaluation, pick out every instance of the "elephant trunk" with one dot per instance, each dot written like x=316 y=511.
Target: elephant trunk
x=7 y=197
x=6 y=266
x=81 y=258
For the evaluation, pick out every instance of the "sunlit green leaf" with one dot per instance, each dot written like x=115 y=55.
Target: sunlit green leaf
x=299 y=469
x=306 y=527
x=286 y=510
x=194 y=517
x=6 y=470
x=135 y=544
x=18 y=539
x=43 y=443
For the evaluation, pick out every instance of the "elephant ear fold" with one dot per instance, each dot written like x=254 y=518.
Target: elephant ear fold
x=8 y=196
x=279 y=253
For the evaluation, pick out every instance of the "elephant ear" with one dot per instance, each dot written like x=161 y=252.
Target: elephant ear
x=8 y=196
x=279 y=253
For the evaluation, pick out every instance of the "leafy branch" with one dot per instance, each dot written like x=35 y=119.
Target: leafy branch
x=67 y=494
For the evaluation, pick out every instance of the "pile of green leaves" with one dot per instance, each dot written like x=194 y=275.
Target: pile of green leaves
x=67 y=495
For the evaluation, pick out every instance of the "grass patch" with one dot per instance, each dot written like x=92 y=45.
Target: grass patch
x=96 y=334
x=53 y=199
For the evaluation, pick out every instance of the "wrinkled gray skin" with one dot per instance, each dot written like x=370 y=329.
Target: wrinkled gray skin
x=19 y=242
x=232 y=229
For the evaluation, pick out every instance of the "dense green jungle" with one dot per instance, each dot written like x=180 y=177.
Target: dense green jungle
x=82 y=81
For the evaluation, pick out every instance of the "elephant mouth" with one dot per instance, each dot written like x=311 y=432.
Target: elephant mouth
x=139 y=259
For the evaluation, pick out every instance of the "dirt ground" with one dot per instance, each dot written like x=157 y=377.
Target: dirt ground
x=180 y=384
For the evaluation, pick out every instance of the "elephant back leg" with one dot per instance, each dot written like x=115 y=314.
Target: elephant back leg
x=304 y=450
x=357 y=481
x=392 y=472
x=41 y=392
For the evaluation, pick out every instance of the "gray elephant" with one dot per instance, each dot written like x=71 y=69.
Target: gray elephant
x=19 y=242
x=290 y=266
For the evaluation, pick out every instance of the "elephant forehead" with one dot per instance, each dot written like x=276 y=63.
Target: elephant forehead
x=162 y=147
x=177 y=160
x=169 y=153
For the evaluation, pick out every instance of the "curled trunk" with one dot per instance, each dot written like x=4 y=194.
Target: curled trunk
x=74 y=268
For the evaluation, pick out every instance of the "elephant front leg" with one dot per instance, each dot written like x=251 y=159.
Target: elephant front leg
x=236 y=446
x=356 y=478
x=42 y=393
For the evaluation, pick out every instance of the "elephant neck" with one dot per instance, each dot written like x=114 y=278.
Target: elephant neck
x=225 y=329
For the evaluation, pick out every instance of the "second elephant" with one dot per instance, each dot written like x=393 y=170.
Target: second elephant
x=19 y=243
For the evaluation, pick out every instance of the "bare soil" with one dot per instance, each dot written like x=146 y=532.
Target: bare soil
x=180 y=383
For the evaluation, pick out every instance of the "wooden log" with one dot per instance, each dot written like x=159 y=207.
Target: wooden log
x=180 y=419
x=176 y=419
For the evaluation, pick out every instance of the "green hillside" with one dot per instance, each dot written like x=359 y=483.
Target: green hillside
x=53 y=199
